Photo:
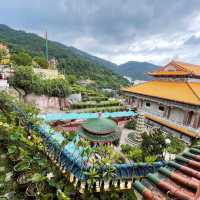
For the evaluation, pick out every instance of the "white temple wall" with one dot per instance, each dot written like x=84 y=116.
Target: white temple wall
x=177 y=115
x=152 y=107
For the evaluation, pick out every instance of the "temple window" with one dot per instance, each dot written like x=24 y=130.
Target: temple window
x=161 y=108
x=148 y=104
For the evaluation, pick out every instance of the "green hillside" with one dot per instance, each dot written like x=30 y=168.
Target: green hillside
x=70 y=59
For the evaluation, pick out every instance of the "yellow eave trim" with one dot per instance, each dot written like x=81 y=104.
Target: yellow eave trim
x=180 y=129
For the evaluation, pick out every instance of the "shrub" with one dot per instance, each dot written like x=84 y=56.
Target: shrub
x=22 y=58
x=125 y=148
x=41 y=61
x=136 y=154
x=25 y=79
x=176 y=146
x=150 y=159
x=131 y=125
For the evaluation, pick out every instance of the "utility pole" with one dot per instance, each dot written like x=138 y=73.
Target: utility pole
x=46 y=47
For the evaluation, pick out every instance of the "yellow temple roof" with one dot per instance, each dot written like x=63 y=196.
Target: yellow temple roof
x=184 y=92
x=177 y=68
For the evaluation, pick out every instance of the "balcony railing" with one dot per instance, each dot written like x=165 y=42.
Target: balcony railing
x=178 y=124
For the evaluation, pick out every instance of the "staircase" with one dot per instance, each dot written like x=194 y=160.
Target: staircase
x=179 y=179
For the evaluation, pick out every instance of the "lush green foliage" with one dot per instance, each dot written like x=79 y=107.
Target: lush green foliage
x=25 y=79
x=135 y=154
x=71 y=60
x=93 y=105
x=95 y=98
x=21 y=58
x=176 y=145
x=32 y=176
x=56 y=88
x=153 y=143
x=150 y=159
x=125 y=148
x=2 y=54
x=41 y=61
x=104 y=109
x=131 y=124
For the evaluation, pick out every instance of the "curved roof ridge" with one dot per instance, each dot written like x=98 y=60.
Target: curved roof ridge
x=176 y=63
x=194 y=92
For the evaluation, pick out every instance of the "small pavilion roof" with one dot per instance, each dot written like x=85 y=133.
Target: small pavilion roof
x=100 y=126
x=100 y=130
x=177 y=68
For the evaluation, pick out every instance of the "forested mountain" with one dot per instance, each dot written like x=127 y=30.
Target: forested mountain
x=75 y=61
x=136 y=70
x=72 y=60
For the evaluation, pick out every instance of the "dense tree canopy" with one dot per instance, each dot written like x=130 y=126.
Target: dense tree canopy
x=56 y=88
x=21 y=58
x=71 y=60
x=71 y=78
x=153 y=143
x=25 y=79
x=2 y=53
x=42 y=62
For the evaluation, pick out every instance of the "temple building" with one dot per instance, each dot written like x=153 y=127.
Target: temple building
x=171 y=100
x=100 y=131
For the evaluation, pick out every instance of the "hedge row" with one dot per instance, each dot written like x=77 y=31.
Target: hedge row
x=105 y=109
x=95 y=105
x=95 y=98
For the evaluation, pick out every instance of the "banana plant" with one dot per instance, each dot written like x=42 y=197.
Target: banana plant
x=61 y=195
x=92 y=176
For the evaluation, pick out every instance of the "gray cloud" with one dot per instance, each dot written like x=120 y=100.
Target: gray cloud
x=114 y=29
x=193 y=40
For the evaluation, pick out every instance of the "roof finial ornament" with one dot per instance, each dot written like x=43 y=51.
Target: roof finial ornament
x=100 y=115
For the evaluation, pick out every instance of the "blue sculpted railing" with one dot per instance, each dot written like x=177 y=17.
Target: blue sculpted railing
x=69 y=157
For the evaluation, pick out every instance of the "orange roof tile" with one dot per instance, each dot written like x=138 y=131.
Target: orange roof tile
x=171 y=90
x=181 y=68
x=173 y=126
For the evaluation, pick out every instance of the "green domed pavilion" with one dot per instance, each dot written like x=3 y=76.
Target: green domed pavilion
x=101 y=130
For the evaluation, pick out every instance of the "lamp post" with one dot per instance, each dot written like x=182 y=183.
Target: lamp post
x=167 y=142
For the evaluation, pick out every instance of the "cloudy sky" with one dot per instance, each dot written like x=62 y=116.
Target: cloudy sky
x=117 y=30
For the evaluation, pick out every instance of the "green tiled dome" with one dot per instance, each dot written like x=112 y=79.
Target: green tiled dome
x=100 y=126
x=100 y=130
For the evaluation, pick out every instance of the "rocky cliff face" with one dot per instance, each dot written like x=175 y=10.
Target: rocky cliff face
x=47 y=104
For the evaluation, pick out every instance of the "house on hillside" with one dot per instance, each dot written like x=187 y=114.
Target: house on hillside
x=171 y=100
x=4 y=54
x=3 y=78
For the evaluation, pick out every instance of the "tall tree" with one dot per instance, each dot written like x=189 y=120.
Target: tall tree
x=153 y=143
x=42 y=62
x=21 y=58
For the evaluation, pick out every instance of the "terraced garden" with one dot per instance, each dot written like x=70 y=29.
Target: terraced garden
x=93 y=102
